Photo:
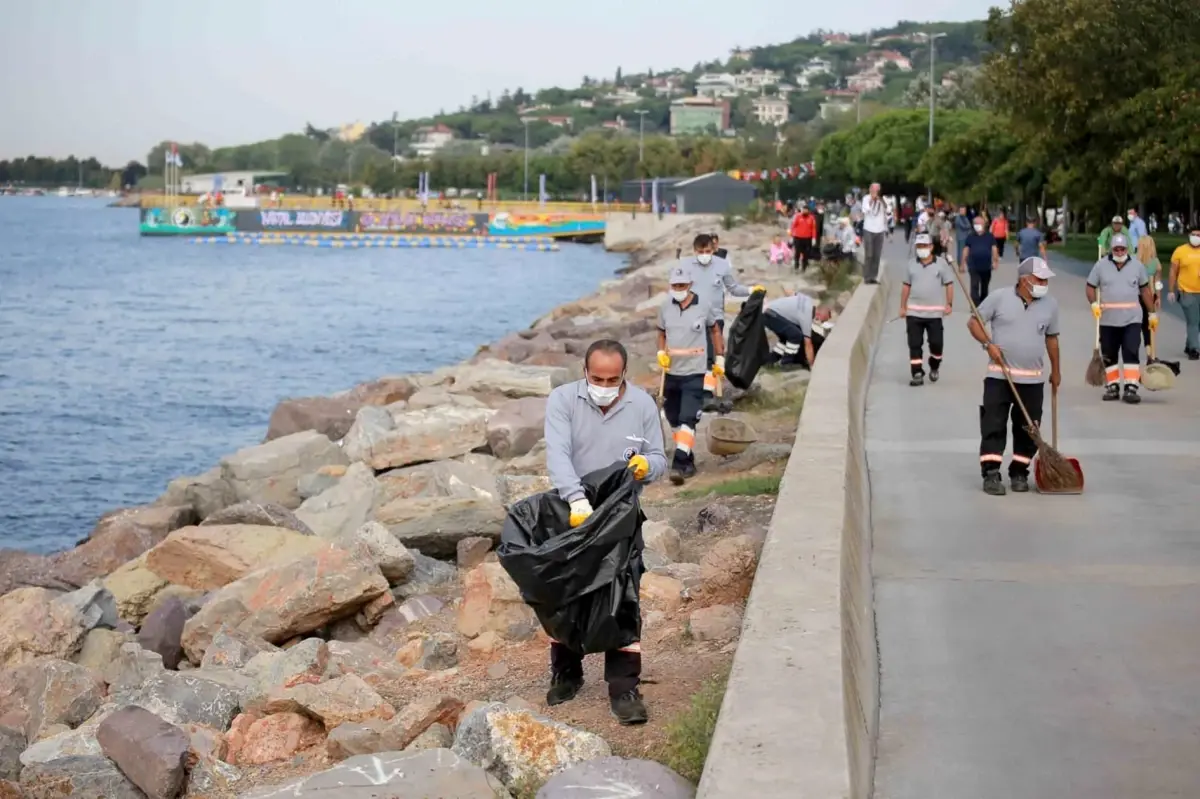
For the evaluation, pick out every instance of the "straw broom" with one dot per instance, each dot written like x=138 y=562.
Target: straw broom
x=1095 y=368
x=1057 y=471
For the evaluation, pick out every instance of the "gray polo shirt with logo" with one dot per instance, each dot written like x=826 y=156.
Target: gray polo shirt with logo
x=711 y=282
x=1120 y=288
x=1020 y=331
x=687 y=332
x=580 y=438
x=927 y=288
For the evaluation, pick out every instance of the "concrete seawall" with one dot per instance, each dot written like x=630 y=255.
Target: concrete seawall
x=801 y=712
x=623 y=230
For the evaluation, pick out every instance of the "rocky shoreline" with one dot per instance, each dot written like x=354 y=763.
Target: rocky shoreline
x=325 y=608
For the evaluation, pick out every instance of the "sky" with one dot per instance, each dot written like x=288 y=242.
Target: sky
x=112 y=78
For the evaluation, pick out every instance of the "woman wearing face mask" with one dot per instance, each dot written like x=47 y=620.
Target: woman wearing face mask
x=1147 y=253
x=980 y=257
x=1185 y=286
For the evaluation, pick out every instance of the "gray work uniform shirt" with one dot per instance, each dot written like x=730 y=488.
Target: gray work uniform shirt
x=927 y=288
x=687 y=332
x=711 y=282
x=1020 y=331
x=581 y=438
x=1120 y=288
x=797 y=309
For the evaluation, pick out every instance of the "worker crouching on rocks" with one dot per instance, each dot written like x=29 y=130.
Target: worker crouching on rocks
x=1024 y=325
x=687 y=327
x=591 y=424
x=1117 y=288
x=927 y=297
x=800 y=327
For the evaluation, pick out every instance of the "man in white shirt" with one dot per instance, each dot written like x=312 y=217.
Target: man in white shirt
x=874 y=228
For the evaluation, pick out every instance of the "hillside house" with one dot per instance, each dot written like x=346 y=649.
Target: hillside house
x=830 y=39
x=817 y=66
x=716 y=84
x=865 y=82
x=697 y=115
x=623 y=97
x=754 y=79
x=428 y=140
x=771 y=110
x=879 y=59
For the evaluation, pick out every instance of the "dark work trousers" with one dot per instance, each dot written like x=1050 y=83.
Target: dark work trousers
x=980 y=281
x=1145 y=325
x=918 y=330
x=622 y=667
x=908 y=223
x=800 y=254
x=1121 y=344
x=791 y=339
x=994 y=414
x=708 y=343
x=683 y=399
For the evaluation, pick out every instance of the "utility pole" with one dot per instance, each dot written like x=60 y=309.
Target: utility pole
x=395 y=139
x=525 y=190
x=642 y=149
x=933 y=37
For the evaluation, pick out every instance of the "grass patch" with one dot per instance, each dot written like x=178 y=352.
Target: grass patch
x=749 y=486
x=690 y=733
x=772 y=401
x=838 y=277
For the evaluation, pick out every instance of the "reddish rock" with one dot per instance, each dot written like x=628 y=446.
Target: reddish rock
x=119 y=537
x=338 y=701
x=385 y=390
x=281 y=602
x=472 y=551
x=149 y=751
x=11 y=790
x=162 y=630
x=205 y=742
x=418 y=716
x=261 y=514
x=330 y=416
x=348 y=740
x=214 y=556
x=22 y=569
x=492 y=601
x=278 y=736
x=728 y=568
x=516 y=426
x=34 y=625
x=45 y=693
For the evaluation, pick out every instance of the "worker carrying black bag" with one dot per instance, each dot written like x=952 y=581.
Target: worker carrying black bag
x=747 y=349
x=582 y=582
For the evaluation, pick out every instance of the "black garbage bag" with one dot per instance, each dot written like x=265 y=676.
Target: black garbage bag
x=583 y=582
x=746 y=349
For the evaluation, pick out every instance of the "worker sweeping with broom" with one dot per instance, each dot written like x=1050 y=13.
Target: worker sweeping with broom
x=1117 y=289
x=1024 y=327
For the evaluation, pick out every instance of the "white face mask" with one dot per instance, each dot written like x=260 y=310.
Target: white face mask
x=924 y=253
x=603 y=395
x=1038 y=291
x=1121 y=258
x=1131 y=217
x=1194 y=241
x=679 y=296
x=704 y=258
x=979 y=228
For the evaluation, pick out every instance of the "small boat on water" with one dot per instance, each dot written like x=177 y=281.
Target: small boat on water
x=63 y=191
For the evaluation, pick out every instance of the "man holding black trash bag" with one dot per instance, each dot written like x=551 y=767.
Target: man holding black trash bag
x=591 y=424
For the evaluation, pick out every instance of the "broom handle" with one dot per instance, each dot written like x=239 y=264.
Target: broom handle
x=1097 y=345
x=1003 y=362
x=1054 y=416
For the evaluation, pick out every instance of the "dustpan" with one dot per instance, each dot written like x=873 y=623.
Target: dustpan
x=1158 y=375
x=1038 y=478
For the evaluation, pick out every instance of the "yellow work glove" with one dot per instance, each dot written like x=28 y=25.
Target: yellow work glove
x=1096 y=310
x=1154 y=321
x=639 y=466
x=718 y=369
x=664 y=360
x=756 y=289
x=581 y=509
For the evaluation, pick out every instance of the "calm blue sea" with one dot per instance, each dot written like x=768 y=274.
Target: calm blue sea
x=126 y=362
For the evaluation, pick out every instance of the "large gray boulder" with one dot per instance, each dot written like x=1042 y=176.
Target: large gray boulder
x=438 y=479
x=615 y=776
x=79 y=777
x=517 y=746
x=269 y=472
x=436 y=525
x=339 y=511
x=384 y=440
x=517 y=426
x=406 y=775
x=149 y=751
x=496 y=377
x=205 y=493
x=260 y=514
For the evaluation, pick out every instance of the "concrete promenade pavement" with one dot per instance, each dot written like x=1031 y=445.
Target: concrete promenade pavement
x=1031 y=646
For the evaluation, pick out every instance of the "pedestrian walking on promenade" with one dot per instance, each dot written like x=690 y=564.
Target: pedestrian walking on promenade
x=1147 y=253
x=1030 y=241
x=979 y=258
x=1185 y=287
x=874 y=228
x=1023 y=327
x=1114 y=288
x=1000 y=232
x=804 y=238
x=926 y=297
x=962 y=226
x=1104 y=240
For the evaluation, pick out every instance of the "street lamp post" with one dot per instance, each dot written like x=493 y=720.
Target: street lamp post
x=932 y=92
x=525 y=190
x=642 y=148
x=395 y=138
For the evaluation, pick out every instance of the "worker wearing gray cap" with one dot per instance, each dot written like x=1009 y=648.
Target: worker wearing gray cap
x=927 y=297
x=1024 y=328
x=1114 y=287
x=687 y=326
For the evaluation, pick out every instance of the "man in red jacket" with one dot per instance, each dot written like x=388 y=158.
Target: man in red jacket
x=804 y=237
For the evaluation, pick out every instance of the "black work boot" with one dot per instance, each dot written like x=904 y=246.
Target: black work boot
x=689 y=468
x=629 y=708
x=918 y=379
x=563 y=688
x=679 y=468
x=1131 y=394
x=1193 y=355
x=710 y=403
x=1019 y=483
x=1112 y=392
x=992 y=484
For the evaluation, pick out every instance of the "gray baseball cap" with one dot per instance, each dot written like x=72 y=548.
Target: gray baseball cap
x=679 y=276
x=1119 y=240
x=1035 y=266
